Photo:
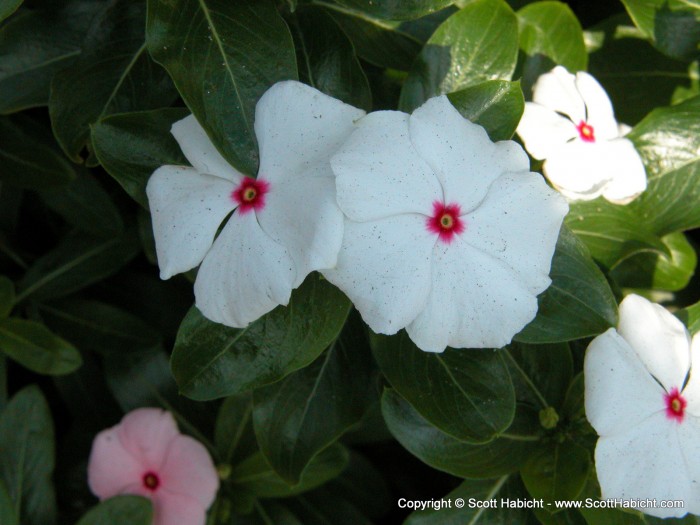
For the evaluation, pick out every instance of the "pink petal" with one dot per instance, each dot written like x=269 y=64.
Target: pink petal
x=146 y=433
x=111 y=468
x=188 y=470
x=177 y=509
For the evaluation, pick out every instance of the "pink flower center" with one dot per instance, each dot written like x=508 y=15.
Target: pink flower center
x=250 y=194
x=151 y=480
x=675 y=405
x=586 y=132
x=445 y=221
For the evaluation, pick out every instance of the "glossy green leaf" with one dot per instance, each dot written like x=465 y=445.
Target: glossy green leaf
x=254 y=474
x=578 y=303
x=469 y=394
x=302 y=414
x=34 y=346
x=211 y=360
x=541 y=373
x=501 y=456
x=658 y=271
x=234 y=436
x=35 y=45
x=395 y=9
x=497 y=105
x=113 y=74
x=222 y=57
x=8 y=515
x=120 y=510
x=133 y=145
x=327 y=59
x=29 y=157
x=27 y=457
x=477 y=43
x=7 y=7
x=7 y=296
x=77 y=262
x=690 y=317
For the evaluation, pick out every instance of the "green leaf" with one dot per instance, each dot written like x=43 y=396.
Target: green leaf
x=7 y=296
x=233 y=435
x=29 y=157
x=546 y=368
x=578 y=303
x=222 y=57
x=308 y=410
x=35 y=45
x=27 y=457
x=34 y=346
x=120 y=510
x=497 y=105
x=327 y=59
x=7 y=7
x=669 y=138
x=393 y=10
x=656 y=270
x=550 y=34
x=83 y=203
x=254 y=474
x=690 y=317
x=211 y=360
x=558 y=471
x=113 y=74
x=133 y=145
x=477 y=43
x=501 y=456
x=321 y=507
x=77 y=262
x=469 y=395
x=8 y=516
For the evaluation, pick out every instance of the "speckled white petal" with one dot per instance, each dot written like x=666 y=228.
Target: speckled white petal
x=200 y=151
x=631 y=178
x=518 y=223
x=187 y=209
x=619 y=391
x=599 y=109
x=379 y=172
x=557 y=91
x=298 y=129
x=460 y=153
x=658 y=338
x=475 y=302
x=691 y=392
x=543 y=131
x=303 y=216
x=245 y=275
x=650 y=461
x=384 y=268
x=581 y=170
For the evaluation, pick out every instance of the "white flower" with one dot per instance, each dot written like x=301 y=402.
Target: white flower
x=647 y=415
x=448 y=234
x=571 y=125
x=284 y=224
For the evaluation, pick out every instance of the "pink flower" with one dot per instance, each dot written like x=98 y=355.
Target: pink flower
x=146 y=455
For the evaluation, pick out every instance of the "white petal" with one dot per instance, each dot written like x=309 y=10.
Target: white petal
x=475 y=302
x=518 y=223
x=630 y=180
x=187 y=209
x=245 y=275
x=303 y=216
x=543 y=131
x=619 y=392
x=599 y=109
x=379 y=172
x=648 y=461
x=297 y=128
x=623 y=129
x=200 y=151
x=581 y=170
x=460 y=153
x=557 y=91
x=659 y=339
x=691 y=392
x=384 y=268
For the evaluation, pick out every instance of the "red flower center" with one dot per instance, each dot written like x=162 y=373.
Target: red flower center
x=151 y=480
x=445 y=221
x=250 y=194
x=675 y=405
x=586 y=132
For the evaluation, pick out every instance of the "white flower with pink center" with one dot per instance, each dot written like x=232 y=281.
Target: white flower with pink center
x=283 y=225
x=146 y=455
x=643 y=398
x=571 y=125
x=447 y=234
